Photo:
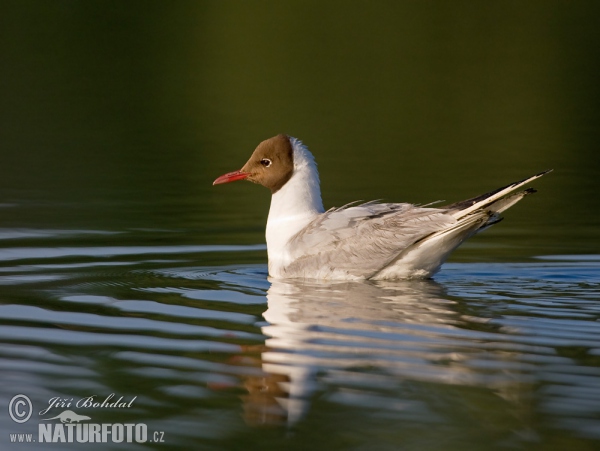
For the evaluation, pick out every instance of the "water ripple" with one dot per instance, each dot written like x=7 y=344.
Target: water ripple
x=520 y=340
x=37 y=253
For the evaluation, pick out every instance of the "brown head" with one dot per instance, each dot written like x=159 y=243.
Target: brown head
x=271 y=165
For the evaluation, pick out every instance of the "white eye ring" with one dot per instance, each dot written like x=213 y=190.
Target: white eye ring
x=265 y=162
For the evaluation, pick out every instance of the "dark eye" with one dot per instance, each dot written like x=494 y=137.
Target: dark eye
x=265 y=162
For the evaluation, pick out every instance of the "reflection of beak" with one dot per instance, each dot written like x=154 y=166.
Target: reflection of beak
x=231 y=177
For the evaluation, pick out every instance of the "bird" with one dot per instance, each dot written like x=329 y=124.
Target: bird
x=359 y=241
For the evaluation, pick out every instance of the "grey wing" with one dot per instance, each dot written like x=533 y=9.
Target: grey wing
x=359 y=241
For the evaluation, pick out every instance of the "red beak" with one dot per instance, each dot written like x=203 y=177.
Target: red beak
x=231 y=177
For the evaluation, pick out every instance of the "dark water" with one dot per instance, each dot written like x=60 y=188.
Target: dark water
x=123 y=271
x=489 y=355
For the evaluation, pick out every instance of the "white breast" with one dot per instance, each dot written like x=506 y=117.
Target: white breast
x=296 y=204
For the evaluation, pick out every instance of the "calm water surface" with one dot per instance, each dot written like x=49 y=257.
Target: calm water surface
x=123 y=271
x=487 y=355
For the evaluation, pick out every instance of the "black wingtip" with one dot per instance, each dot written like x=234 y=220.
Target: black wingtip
x=470 y=202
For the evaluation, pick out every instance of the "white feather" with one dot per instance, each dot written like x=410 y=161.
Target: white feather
x=371 y=240
x=293 y=207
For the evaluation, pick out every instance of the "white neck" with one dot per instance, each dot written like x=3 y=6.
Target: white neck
x=292 y=207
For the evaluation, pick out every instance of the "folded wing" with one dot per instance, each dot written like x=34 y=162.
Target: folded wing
x=357 y=242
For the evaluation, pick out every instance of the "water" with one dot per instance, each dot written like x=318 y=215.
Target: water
x=487 y=355
x=124 y=272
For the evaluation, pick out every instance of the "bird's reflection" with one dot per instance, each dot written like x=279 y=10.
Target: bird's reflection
x=319 y=328
x=359 y=339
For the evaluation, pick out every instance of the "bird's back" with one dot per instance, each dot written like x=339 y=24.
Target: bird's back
x=358 y=242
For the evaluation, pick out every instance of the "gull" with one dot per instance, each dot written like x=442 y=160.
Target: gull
x=368 y=241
